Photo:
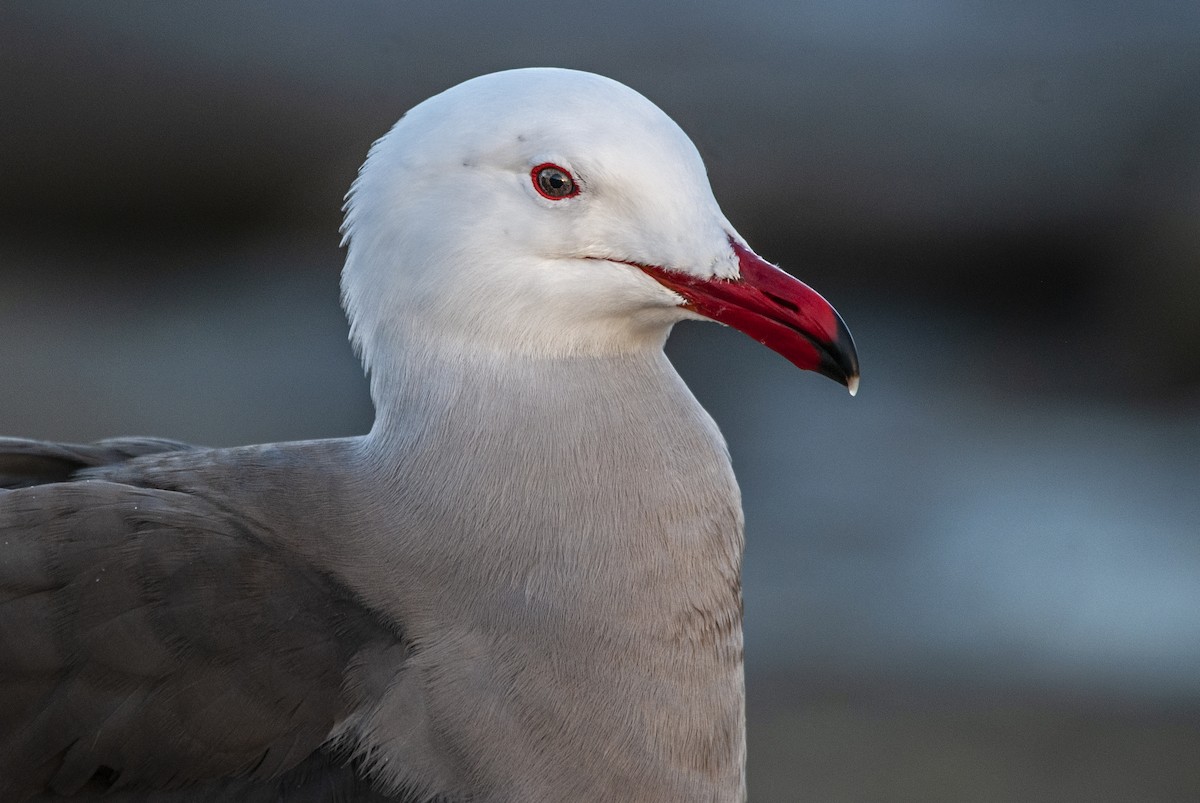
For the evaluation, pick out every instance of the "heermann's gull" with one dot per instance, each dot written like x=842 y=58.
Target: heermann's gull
x=522 y=585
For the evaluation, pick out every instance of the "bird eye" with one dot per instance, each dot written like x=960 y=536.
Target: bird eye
x=553 y=182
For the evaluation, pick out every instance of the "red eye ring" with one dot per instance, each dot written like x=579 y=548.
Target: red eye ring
x=554 y=183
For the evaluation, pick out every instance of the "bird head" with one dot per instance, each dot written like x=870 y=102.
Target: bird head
x=555 y=212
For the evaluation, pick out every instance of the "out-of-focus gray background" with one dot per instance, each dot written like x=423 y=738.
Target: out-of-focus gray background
x=979 y=580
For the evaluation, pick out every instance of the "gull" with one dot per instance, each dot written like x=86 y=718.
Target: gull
x=522 y=584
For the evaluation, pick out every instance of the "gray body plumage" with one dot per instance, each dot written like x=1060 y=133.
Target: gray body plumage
x=468 y=599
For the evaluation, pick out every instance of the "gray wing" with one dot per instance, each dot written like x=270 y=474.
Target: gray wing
x=28 y=462
x=149 y=641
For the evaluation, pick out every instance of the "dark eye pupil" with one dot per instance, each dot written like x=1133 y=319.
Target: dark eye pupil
x=555 y=183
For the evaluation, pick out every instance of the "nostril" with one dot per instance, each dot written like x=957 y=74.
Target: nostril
x=783 y=302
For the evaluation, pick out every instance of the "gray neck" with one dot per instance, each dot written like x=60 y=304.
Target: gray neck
x=567 y=534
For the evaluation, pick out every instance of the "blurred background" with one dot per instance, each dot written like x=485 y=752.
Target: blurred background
x=979 y=580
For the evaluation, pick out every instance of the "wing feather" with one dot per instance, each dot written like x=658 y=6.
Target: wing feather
x=149 y=640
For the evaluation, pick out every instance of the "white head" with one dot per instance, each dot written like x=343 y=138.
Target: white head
x=451 y=241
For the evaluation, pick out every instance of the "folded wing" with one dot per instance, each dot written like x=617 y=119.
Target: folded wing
x=149 y=640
